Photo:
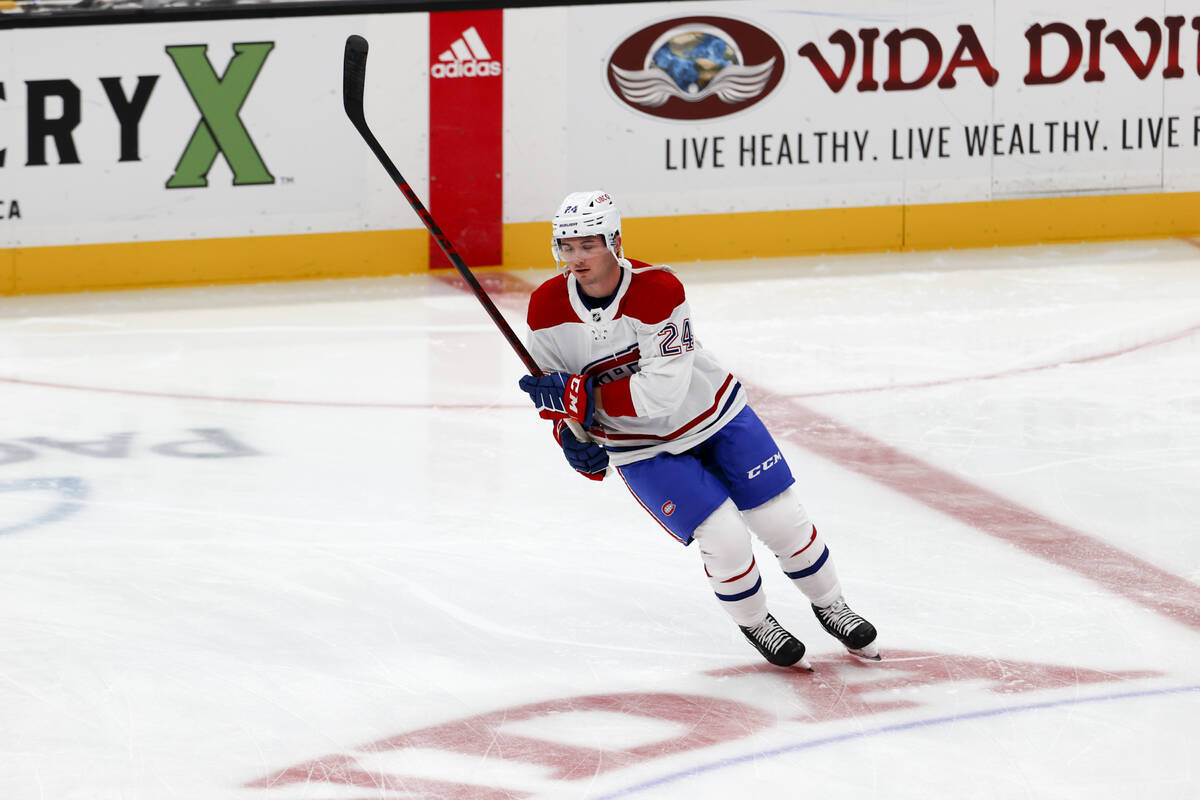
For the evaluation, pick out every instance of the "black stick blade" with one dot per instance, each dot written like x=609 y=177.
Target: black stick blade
x=354 y=77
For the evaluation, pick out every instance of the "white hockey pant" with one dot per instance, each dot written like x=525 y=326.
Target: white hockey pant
x=781 y=524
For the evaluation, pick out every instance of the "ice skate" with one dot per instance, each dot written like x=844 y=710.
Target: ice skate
x=854 y=632
x=776 y=644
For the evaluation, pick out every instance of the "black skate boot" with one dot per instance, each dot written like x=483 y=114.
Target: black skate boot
x=776 y=644
x=854 y=632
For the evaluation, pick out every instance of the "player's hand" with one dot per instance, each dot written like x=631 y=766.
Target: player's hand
x=587 y=458
x=561 y=395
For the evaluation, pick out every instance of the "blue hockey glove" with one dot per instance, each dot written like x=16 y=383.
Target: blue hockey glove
x=587 y=458
x=561 y=395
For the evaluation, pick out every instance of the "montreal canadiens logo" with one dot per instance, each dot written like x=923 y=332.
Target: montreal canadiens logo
x=668 y=508
x=691 y=68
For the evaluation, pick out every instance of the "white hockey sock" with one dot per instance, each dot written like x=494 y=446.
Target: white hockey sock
x=729 y=564
x=783 y=525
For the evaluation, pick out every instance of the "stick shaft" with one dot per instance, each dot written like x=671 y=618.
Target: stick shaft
x=353 y=80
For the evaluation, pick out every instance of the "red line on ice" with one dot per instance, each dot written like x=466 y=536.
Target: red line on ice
x=506 y=286
x=264 y=400
x=1114 y=569
x=1164 y=339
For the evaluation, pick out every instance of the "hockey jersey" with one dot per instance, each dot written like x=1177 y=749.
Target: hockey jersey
x=656 y=389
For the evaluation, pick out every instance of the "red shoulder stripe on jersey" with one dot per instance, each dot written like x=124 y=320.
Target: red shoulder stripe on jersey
x=652 y=296
x=549 y=305
x=616 y=400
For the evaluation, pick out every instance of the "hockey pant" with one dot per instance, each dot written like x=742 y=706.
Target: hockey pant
x=783 y=526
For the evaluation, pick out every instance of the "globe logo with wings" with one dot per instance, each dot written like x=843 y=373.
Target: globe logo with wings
x=695 y=68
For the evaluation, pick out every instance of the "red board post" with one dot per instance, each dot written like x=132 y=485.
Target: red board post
x=466 y=124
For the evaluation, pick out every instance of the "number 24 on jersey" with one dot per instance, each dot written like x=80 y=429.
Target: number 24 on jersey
x=673 y=341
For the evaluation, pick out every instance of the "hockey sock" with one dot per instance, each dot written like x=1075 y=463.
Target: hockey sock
x=730 y=566
x=784 y=526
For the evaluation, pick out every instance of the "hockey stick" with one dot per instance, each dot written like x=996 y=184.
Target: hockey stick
x=354 y=78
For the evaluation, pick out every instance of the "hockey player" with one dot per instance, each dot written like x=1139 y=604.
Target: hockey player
x=621 y=359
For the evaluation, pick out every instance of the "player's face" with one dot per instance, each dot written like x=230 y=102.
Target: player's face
x=592 y=264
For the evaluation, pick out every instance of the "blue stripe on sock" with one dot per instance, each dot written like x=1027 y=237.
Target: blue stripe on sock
x=804 y=573
x=729 y=598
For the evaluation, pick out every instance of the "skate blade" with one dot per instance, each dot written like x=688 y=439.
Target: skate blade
x=803 y=663
x=868 y=653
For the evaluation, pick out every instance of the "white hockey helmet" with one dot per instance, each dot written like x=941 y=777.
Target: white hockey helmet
x=591 y=213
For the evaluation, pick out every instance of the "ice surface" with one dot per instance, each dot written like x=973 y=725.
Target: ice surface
x=309 y=541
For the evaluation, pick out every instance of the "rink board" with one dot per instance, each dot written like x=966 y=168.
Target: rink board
x=217 y=151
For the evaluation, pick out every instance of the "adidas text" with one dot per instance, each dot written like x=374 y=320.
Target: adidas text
x=467 y=69
x=468 y=57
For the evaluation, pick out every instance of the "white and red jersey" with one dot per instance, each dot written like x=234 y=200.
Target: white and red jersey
x=657 y=389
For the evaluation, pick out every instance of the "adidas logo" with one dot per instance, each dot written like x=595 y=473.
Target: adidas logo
x=467 y=57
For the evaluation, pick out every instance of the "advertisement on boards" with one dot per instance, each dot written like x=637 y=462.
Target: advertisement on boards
x=204 y=129
x=761 y=106
x=234 y=130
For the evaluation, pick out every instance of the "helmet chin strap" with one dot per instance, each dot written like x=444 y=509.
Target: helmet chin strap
x=617 y=253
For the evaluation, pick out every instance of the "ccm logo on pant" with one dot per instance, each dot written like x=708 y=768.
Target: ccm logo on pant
x=766 y=465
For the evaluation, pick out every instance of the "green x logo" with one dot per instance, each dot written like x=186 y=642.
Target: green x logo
x=219 y=130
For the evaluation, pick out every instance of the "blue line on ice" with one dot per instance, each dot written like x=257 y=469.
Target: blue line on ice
x=896 y=728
